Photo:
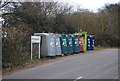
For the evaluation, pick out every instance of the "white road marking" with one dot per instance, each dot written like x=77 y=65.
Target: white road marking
x=78 y=78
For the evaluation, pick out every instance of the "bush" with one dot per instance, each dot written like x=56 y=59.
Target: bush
x=16 y=46
x=107 y=40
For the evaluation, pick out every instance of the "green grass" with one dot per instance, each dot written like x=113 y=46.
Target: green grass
x=114 y=47
x=101 y=48
x=25 y=61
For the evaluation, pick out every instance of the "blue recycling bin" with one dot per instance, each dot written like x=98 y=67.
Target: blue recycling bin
x=69 y=43
x=63 y=42
x=90 y=42
x=75 y=44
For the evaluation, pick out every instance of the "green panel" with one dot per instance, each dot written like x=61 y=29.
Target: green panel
x=84 y=34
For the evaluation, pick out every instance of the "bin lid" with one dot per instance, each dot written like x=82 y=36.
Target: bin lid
x=81 y=33
x=43 y=34
x=91 y=36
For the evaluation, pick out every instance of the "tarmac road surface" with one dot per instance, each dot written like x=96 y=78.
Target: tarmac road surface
x=101 y=64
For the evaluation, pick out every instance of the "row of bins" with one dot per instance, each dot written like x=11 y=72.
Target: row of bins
x=56 y=44
x=69 y=44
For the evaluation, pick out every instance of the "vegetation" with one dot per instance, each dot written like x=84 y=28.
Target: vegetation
x=24 y=19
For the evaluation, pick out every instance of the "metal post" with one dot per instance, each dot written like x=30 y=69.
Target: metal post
x=39 y=48
x=31 y=51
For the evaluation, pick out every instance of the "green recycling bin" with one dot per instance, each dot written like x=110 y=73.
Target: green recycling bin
x=69 y=43
x=84 y=35
x=75 y=44
x=63 y=42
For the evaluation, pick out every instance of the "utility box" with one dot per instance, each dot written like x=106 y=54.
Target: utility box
x=47 y=44
x=84 y=35
x=69 y=43
x=90 y=42
x=80 y=40
x=63 y=42
x=57 y=44
x=75 y=44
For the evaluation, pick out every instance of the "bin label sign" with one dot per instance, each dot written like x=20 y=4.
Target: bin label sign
x=76 y=42
x=57 y=43
x=35 y=39
x=52 y=43
x=70 y=42
x=64 y=42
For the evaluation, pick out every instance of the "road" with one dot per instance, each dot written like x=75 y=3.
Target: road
x=102 y=64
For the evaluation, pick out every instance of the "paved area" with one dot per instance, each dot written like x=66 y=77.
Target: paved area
x=102 y=64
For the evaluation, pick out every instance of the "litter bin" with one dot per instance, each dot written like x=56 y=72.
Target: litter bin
x=90 y=42
x=57 y=44
x=47 y=44
x=84 y=35
x=63 y=42
x=69 y=43
x=75 y=44
x=80 y=40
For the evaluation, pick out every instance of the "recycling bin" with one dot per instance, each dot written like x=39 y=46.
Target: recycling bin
x=90 y=42
x=75 y=44
x=69 y=43
x=80 y=40
x=63 y=42
x=47 y=44
x=57 y=44
x=84 y=35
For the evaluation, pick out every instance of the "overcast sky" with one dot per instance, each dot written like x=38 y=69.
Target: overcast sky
x=93 y=5
x=90 y=4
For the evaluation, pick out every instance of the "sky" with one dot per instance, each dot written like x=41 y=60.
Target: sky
x=93 y=5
